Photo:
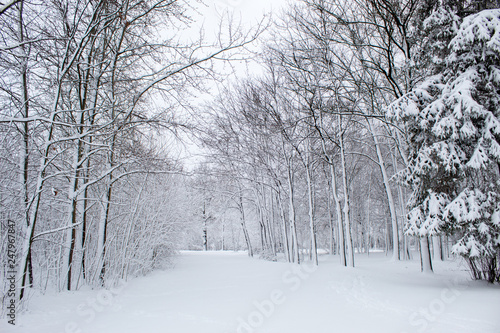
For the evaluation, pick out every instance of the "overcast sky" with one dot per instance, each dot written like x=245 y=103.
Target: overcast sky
x=247 y=13
x=207 y=14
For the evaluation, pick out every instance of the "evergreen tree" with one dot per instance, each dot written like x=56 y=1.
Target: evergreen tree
x=453 y=121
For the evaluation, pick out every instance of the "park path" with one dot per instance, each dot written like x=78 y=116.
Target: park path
x=227 y=292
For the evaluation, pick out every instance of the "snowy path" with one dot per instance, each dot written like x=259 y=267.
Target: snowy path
x=228 y=292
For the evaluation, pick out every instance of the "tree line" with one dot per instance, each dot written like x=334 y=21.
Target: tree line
x=373 y=125
x=89 y=92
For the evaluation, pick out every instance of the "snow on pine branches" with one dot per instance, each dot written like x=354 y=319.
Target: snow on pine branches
x=454 y=131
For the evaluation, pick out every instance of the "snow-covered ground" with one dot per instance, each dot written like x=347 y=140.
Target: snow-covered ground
x=219 y=292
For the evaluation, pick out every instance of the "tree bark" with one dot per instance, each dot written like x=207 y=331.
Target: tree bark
x=336 y=199
x=350 y=249
x=286 y=247
x=244 y=226
x=388 y=191
x=310 y=196
x=425 y=255
x=330 y=222
x=205 y=227
x=291 y=204
x=25 y=150
x=437 y=248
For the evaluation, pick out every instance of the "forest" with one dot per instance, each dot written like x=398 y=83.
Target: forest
x=370 y=126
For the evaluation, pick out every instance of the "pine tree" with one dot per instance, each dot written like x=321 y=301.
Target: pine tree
x=453 y=121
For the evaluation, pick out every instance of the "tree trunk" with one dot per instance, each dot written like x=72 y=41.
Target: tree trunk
x=69 y=246
x=291 y=204
x=25 y=258
x=340 y=224
x=102 y=233
x=286 y=247
x=388 y=191
x=243 y=225
x=310 y=196
x=73 y=197
x=336 y=199
x=406 y=248
x=205 y=228
x=130 y=230
x=437 y=248
x=368 y=221
x=103 y=222
x=271 y=222
x=425 y=255
x=90 y=86
x=350 y=249
x=24 y=153
x=330 y=222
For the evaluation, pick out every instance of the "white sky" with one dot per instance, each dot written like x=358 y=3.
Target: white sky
x=247 y=13
x=208 y=15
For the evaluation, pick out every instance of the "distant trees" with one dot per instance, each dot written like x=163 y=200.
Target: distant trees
x=281 y=151
x=307 y=129
x=321 y=119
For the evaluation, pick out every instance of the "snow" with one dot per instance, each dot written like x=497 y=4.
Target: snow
x=483 y=26
x=495 y=218
x=218 y=292
x=479 y=158
x=441 y=16
x=465 y=207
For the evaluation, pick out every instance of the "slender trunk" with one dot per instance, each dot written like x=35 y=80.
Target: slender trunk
x=368 y=221
x=310 y=195
x=24 y=153
x=80 y=240
x=102 y=233
x=264 y=237
x=205 y=228
x=340 y=223
x=105 y=213
x=90 y=85
x=388 y=191
x=437 y=248
x=286 y=247
x=336 y=199
x=130 y=229
x=71 y=53
x=84 y=227
x=295 y=243
x=271 y=223
x=69 y=246
x=243 y=225
x=330 y=221
x=350 y=249
x=406 y=248
x=25 y=259
x=425 y=255
x=447 y=246
x=71 y=251
x=73 y=212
